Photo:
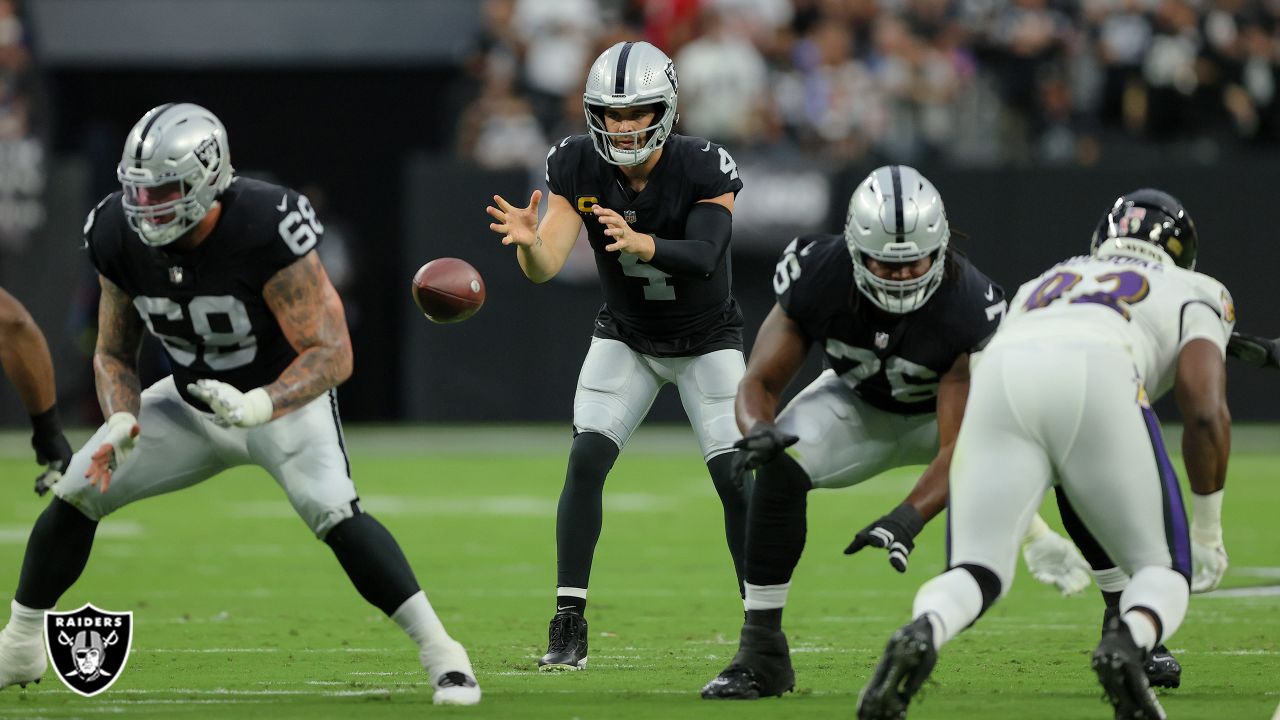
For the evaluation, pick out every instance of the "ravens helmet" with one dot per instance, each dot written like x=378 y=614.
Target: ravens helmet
x=175 y=164
x=1153 y=217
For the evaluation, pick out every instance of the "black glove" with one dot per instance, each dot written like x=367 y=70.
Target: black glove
x=893 y=532
x=51 y=446
x=1253 y=350
x=763 y=443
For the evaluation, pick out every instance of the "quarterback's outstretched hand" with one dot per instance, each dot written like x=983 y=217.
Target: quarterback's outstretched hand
x=624 y=239
x=232 y=407
x=1208 y=561
x=117 y=442
x=1054 y=560
x=1253 y=350
x=52 y=449
x=894 y=532
x=763 y=443
x=517 y=226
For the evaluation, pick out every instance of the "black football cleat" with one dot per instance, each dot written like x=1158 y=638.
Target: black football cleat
x=1162 y=668
x=761 y=668
x=1119 y=661
x=566 y=643
x=908 y=659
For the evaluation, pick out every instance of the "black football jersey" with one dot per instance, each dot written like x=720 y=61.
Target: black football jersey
x=653 y=312
x=893 y=362
x=206 y=305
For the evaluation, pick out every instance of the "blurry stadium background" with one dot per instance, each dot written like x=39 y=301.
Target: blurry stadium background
x=401 y=118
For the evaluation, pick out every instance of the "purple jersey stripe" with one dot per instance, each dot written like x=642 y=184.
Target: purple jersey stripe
x=1175 y=514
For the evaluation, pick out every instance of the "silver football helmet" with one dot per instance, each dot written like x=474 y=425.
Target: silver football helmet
x=176 y=162
x=896 y=216
x=630 y=74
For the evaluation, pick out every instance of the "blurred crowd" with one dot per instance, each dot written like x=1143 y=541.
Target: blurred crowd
x=22 y=157
x=964 y=82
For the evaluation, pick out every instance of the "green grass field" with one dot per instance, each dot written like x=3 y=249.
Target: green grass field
x=240 y=613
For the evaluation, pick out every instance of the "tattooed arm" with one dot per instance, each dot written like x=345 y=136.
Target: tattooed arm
x=115 y=359
x=310 y=314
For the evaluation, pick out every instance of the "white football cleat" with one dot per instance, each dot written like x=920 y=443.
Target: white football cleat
x=451 y=675
x=22 y=659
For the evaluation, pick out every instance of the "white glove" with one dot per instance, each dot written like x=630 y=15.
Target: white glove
x=1208 y=560
x=121 y=434
x=1208 y=555
x=1054 y=560
x=231 y=406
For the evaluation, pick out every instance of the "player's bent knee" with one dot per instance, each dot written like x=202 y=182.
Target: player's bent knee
x=988 y=582
x=321 y=520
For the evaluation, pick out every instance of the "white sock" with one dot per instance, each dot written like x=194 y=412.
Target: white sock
x=26 y=621
x=416 y=617
x=1161 y=591
x=765 y=597
x=952 y=601
x=1141 y=628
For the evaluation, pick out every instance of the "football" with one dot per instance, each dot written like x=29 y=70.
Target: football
x=448 y=290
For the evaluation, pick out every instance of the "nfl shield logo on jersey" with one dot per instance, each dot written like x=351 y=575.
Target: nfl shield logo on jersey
x=175 y=275
x=629 y=216
x=88 y=647
x=882 y=340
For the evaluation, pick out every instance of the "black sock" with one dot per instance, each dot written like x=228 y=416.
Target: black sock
x=374 y=562
x=776 y=522
x=734 y=501
x=579 y=514
x=57 y=552
x=571 y=604
x=771 y=619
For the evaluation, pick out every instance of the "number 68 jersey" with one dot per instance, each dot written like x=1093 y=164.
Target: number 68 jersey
x=1151 y=309
x=206 y=305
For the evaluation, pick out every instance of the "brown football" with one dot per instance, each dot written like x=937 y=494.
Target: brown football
x=448 y=290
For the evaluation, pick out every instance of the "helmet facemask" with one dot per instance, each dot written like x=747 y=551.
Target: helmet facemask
x=642 y=146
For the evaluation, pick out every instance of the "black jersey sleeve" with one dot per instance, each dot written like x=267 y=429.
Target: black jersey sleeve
x=562 y=164
x=712 y=171
x=980 y=307
x=290 y=230
x=101 y=238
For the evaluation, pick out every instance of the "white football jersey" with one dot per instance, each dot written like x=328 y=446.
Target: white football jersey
x=1151 y=309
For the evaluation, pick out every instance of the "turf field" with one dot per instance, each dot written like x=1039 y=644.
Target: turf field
x=240 y=613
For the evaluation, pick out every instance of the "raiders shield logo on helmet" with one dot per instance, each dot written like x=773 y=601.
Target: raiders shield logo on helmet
x=88 y=647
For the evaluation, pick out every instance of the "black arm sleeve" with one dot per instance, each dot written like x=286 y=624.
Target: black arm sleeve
x=708 y=228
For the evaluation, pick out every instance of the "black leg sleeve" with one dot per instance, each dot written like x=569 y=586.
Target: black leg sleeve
x=734 y=500
x=579 y=514
x=56 y=554
x=776 y=522
x=374 y=562
x=1089 y=547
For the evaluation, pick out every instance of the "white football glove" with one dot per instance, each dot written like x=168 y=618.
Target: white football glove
x=1208 y=561
x=121 y=435
x=232 y=407
x=1208 y=555
x=1054 y=560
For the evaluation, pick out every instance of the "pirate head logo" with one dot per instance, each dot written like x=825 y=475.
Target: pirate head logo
x=89 y=647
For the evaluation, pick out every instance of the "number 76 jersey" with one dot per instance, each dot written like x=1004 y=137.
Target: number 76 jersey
x=206 y=306
x=1151 y=309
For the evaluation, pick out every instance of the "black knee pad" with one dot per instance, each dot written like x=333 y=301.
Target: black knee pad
x=988 y=583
